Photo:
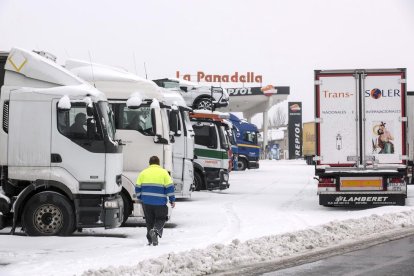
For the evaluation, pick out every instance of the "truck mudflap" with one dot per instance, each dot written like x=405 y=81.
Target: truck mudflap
x=114 y=210
x=217 y=179
x=361 y=199
x=94 y=211
x=253 y=164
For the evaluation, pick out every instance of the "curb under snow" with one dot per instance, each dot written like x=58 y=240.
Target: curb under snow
x=270 y=249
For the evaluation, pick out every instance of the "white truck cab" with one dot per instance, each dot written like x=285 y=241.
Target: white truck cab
x=212 y=150
x=144 y=129
x=60 y=162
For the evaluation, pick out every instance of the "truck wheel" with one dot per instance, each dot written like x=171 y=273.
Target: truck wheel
x=198 y=182
x=127 y=206
x=204 y=103
x=48 y=214
x=241 y=165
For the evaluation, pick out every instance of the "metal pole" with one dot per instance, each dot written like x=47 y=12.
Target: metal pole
x=265 y=129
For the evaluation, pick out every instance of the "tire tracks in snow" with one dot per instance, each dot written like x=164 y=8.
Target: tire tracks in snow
x=233 y=222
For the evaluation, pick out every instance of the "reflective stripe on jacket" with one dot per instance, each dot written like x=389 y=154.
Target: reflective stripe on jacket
x=154 y=186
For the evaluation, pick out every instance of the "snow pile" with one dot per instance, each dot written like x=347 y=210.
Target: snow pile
x=155 y=104
x=219 y=257
x=134 y=101
x=64 y=103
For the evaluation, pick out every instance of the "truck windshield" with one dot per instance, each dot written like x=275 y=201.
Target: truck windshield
x=133 y=119
x=251 y=137
x=107 y=119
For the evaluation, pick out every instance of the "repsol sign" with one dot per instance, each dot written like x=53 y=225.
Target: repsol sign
x=239 y=91
x=295 y=130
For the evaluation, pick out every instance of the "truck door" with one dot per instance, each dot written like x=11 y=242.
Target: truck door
x=135 y=128
x=177 y=129
x=26 y=153
x=336 y=110
x=72 y=149
x=207 y=145
x=384 y=102
x=189 y=147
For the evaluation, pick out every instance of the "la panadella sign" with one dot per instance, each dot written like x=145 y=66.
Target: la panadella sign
x=201 y=76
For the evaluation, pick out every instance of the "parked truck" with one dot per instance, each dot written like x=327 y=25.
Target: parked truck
x=212 y=150
x=248 y=149
x=183 y=144
x=308 y=142
x=361 y=138
x=60 y=162
x=141 y=121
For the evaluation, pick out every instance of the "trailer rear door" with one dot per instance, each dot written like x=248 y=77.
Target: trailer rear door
x=384 y=102
x=336 y=109
x=361 y=117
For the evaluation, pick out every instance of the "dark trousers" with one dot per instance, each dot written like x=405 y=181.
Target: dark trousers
x=155 y=218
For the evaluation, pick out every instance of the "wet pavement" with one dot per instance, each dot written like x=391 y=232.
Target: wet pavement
x=391 y=258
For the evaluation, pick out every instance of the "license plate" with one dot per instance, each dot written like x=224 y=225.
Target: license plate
x=396 y=186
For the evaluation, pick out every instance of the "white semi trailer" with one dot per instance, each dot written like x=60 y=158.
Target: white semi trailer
x=60 y=163
x=143 y=128
x=361 y=137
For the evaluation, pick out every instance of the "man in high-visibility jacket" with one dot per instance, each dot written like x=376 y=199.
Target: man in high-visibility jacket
x=154 y=188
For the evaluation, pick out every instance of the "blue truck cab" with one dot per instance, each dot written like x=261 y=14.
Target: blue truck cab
x=248 y=150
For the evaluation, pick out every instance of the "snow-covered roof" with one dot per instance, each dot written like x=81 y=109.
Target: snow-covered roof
x=116 y=83
x=35 y=66
x=74 y=92
x=173 y=97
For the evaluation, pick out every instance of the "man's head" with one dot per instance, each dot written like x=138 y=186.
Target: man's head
x=154 y=160
x=80 y=118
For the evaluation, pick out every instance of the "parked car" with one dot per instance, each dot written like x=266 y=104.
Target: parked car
x=196 y=95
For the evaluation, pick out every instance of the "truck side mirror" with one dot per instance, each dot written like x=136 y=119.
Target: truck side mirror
x=184 y=88
x=89 y=110
x=91 y=128
x=174 y=121
x=213 y=137
x=157 y=125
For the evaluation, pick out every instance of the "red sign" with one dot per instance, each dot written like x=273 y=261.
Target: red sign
x=236 y=77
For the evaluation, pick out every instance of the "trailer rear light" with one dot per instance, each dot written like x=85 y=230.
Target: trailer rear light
x=395 y=180
x=327 y=182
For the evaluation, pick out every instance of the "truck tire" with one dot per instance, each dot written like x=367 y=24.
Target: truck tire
x=198 y=182
x=241 y=165
x=204 y=103
x=127 y=206
x=48 y=214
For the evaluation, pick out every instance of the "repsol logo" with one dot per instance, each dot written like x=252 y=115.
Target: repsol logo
x=361 y=198
x=239 y=91
x=297 y=140
x=377 y=93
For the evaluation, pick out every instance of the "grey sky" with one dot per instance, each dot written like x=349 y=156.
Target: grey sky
x=282 y=40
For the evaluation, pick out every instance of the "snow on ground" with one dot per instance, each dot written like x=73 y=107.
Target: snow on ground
x=266 y=214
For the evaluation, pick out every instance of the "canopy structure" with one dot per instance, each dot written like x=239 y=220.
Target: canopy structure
x=253 y=100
